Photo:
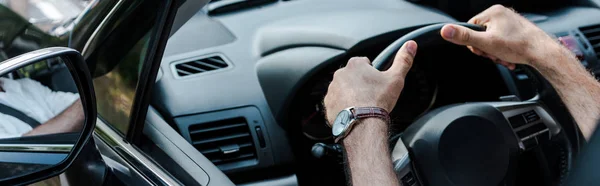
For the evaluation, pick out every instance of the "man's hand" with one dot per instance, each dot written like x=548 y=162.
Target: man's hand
x=360 y=85
x=509 y=38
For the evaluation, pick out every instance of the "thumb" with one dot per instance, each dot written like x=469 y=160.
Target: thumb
x=462 y=35
x=404 y=59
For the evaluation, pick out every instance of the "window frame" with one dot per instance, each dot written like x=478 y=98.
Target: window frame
x=150 y=65
x=150 y=68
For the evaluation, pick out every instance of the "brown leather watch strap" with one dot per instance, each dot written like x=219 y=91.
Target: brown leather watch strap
x=367 y=112
x=361 y=113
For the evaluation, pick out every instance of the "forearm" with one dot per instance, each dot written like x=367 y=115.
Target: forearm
x=70 y=120
x=577 y=88
x=368 y=158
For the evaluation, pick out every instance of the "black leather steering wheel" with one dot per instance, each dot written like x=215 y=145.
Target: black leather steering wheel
x=472 y=143
x=425 y=36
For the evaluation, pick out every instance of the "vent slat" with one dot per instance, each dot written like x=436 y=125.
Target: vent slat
x=217 y=128
x=183 y=72
x=215 y=150
x=225 y=6
x=193 y=67
x=206 y=65
x=592 y=33
x=218 y=65
x=594 y=39
x=200 y=66
x=209 y=151
x=241 y=157
x=216 y=60
x=212 y=140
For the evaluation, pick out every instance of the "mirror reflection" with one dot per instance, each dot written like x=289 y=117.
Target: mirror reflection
x=41 y=116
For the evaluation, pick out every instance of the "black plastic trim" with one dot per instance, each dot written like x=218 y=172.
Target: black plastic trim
x=130 y=176
x=182 y=152
x=283 y=73
x=149 y=72
x=60 y=138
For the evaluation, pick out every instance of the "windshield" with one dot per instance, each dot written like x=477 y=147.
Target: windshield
x=463 y=10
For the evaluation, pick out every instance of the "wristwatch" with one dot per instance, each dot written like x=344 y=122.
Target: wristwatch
x=348 y=117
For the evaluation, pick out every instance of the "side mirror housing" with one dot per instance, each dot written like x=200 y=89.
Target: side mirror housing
x=47 y=113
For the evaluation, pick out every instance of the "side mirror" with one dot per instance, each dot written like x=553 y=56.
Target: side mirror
x=47 y=114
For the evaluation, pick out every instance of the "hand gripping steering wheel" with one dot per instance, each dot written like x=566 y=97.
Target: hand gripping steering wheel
x=470 y=144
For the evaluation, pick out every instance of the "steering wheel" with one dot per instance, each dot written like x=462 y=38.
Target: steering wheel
x=472 y=143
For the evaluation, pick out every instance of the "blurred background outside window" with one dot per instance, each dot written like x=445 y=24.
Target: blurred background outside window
x=55 y=17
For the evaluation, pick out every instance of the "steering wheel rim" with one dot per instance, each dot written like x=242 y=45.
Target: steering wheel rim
x=430 y=35
x=427 y=35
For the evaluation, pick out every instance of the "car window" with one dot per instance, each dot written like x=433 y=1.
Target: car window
x=115 y=90
x=116 y=55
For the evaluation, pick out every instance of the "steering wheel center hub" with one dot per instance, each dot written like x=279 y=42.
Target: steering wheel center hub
x=473 y=151
x=468 y=144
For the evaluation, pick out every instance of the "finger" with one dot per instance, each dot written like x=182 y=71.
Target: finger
x=404 y=59
x=480 y=19
x=493 y=58
x=476 y=51
x=510 y=66
x=356 y=61
x=463 y=36
x=483 y=54
x=501 y=62
x=484 y=17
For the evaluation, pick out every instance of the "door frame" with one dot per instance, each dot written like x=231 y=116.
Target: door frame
x=121 y=146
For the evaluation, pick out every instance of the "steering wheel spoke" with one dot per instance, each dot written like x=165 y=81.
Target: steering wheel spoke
x=532 y=124
x=403 y=166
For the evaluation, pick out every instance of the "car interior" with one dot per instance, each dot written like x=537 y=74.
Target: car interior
x=241 y=84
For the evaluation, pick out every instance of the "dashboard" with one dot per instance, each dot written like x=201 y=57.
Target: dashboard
x=273 y=63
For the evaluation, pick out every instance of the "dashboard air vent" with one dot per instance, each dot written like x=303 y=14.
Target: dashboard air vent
x=183 y=69
x=592 y=33
x=224 y=141
x=224 y=6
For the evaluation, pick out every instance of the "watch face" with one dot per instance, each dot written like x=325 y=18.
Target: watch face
x=341 y=122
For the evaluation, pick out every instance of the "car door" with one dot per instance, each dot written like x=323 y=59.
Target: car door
x=122 y=42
